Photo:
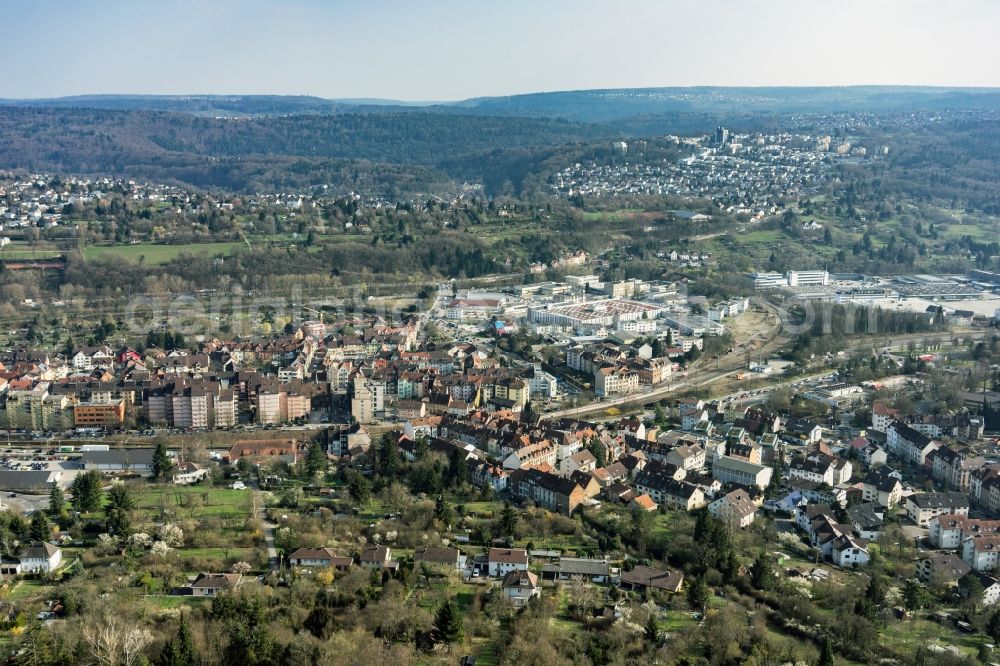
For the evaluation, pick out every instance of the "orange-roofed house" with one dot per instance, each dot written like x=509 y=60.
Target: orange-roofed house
x=283 y=449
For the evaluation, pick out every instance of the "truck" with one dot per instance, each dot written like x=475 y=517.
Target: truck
x=94 y=447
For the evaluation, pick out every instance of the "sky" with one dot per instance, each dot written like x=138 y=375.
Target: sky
x=424 y=50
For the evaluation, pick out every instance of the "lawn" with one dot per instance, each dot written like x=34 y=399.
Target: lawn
x=20 y=253
x=170 y=601
x=200 y=502
x=158 y=254
x=909 y=635
x=221 y=510
x=26 y=589
x=761 y=236
x=978 y=232
x=217 y=553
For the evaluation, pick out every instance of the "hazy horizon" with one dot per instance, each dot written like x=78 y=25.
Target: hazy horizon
x=444 y=50
x=413 y=102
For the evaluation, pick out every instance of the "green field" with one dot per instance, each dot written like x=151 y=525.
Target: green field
x=209 y=502
x=27 y=589
x=158 y=254
x=20 y=254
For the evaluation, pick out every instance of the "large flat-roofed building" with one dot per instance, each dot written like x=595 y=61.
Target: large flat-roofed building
x=606 y=313
x=733 y=470
x=769 y=281
x=865 y=295
x=119 y=460
x=693 y=325
x=473 y=308
x=32 y=481
x=99 y=415
x=802 y=278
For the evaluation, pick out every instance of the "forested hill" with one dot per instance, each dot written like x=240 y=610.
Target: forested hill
x=607 y=106
x=215 y=152
x=208 y=105
x=613 y=106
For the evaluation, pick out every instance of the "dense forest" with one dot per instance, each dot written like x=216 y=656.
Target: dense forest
x=270 y=153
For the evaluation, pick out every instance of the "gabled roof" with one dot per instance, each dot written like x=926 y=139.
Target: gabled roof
x=508 y=555
x=216 y=580
x=520 y=578
x=654 y=578
x=39 y=551
x=436 y=555
x=740 y=502
x=321 y=554
x=950 y=565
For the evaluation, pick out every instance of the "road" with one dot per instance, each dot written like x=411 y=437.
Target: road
x=23 y=504
x=268 y=527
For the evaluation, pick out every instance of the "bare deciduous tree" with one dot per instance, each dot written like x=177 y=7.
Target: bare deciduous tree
x=116 y=642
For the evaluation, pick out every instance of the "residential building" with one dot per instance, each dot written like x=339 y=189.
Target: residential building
x=502 y=561
x=642 y=578
x=547 y=490
x=41 y=557
x=942 y=569
x=848 y=551
x=319 y=557
x=213 y=584
x=982 y=553
x=922 y=508
x=947 y=532
x=576 y=568
x=520 y=587
x=444 y=558
x=735 y=509
x=909 y=444
x=378 y=557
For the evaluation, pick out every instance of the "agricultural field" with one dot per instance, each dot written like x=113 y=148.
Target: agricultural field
x=158 y=254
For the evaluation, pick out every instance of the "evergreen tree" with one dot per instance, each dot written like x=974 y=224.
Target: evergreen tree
x=507 y=522
x=422 y=447
x=315 y=459
x=762 y=573
x=993 y=627
x=185 y=643
x=40 y=529
x=388 y=456
x=458 y=468
x=448 y=624
x=358 y=487
x=443 y=511
x=826 y=657
x=915 y=595
x=161 y=462
x=596 y=447
x=698 y=593
x=41 y=646
x=652 y=630
x=170 y=655
x=87 y=491
x=874 y=597
x=57 y=501
x=702 y=525
x=774 y=485
x=121 y=503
